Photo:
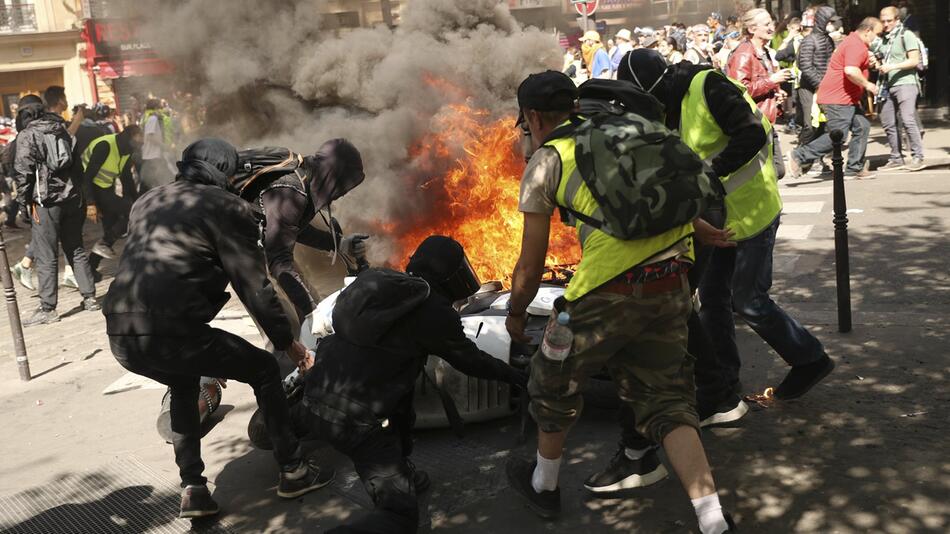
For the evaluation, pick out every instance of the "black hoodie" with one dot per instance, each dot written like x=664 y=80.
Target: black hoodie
x=187 y=241
x=815 y=51
x=288 y=210
x=387 y=324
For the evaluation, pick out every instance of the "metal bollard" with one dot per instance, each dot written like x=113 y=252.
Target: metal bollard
x=9 y=293
x=842 y=260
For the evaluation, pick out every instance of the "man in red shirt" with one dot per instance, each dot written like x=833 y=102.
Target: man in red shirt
x=839 y=97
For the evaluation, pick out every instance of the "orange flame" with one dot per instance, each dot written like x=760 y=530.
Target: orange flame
x=477 y=198
x=764 y=399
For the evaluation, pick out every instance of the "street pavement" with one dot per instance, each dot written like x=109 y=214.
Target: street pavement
x=865 y=451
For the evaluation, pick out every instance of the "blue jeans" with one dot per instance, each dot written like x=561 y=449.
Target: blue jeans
x=739 y=279
x=844 y=118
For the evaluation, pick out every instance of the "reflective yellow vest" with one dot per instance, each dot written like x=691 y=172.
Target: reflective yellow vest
x=603 y=256
x=111 y=167
x=752 y=198
x=168 y=131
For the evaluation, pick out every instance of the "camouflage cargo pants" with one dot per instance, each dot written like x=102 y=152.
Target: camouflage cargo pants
x=642 y=343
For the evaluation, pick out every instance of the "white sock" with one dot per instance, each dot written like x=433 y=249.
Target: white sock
x=635 y=454
x=709 y=514
x=545 y=474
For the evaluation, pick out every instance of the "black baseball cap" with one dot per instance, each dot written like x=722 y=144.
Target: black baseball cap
x=546 y=91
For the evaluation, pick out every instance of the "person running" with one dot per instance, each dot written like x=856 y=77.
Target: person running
x=628 y=305
x=839 y=97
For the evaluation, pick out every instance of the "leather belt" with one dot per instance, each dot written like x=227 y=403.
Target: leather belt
x=667 y=284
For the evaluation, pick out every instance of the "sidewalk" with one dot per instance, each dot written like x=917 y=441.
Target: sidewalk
x=864 y=452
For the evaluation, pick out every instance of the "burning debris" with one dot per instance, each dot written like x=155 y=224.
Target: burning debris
x=766 y=399
x=477 y=197
x=429 y=103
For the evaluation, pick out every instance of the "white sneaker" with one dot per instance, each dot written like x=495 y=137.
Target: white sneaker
x=103 y=250
x=69 y=279
x=24 y=275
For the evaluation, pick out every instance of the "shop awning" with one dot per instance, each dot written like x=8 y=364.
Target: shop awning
x=133 y=67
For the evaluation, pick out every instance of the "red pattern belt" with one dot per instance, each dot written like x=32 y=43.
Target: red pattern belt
x=667 y=284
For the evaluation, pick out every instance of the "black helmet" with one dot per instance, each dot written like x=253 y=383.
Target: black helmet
x=441 y=261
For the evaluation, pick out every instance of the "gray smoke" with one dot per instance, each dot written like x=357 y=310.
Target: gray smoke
x=274 y=73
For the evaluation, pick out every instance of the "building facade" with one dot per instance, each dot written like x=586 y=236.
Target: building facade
x=41 y=45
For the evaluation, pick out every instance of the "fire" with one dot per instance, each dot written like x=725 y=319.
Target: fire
x=477 y=197
x=764 y=399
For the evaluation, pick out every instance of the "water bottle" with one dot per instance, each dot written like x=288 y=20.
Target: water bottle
x=558 y=338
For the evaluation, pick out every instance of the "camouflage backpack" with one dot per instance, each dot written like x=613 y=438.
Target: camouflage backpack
x=644 y=179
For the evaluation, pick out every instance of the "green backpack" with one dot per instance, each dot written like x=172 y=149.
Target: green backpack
x=644 y=179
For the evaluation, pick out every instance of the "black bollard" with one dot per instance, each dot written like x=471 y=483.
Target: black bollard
x=19 y=346
x=842 y=261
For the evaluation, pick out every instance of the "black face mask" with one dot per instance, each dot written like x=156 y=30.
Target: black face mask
x=644 y=68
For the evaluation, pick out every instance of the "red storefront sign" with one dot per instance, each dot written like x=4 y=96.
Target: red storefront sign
x=114 y=45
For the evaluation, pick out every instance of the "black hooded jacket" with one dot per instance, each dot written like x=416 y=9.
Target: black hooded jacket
x=815 y=51
x=187 y=241
x=387 y=324
x=289 y=207
x=30 y=157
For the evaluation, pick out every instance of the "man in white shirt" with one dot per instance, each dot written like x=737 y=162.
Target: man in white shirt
x=154 y=170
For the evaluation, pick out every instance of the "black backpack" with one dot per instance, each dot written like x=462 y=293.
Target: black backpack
x=258 y=167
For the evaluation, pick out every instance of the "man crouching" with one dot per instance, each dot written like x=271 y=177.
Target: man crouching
x=359 y=393
x=187 y=241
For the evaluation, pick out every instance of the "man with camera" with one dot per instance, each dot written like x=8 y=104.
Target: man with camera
x=898 y=51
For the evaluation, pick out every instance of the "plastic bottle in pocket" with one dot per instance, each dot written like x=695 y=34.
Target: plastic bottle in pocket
x=558 y=338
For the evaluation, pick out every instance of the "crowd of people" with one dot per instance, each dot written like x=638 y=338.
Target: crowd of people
x=784 y=64
x=97 y=162
x=222 y=217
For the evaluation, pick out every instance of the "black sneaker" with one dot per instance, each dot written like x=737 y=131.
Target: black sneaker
x=803 y=377
x=623 y=473
x=546 y=504
x=731 y=409
x=91 y=304
x=314 y=479
x=41 y=316
x=196 y=502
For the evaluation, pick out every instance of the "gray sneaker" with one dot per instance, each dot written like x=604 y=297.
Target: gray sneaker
x=916 y=164
x=892 y=165
x=24 y=275
x=103 y=250
x=41 y=316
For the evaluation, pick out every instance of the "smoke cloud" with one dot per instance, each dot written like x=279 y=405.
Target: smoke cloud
x=274 y=72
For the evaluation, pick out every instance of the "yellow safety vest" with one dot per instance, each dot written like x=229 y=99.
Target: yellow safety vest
x=603 y=256
x=168 y=131
x=752 y=198
x=111 y=167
